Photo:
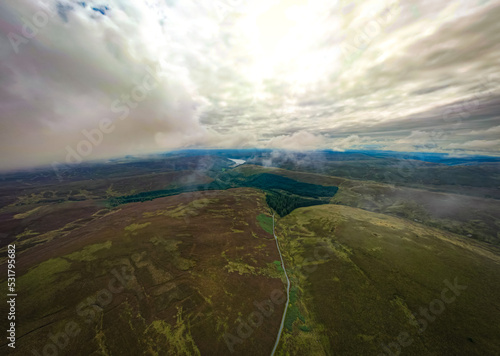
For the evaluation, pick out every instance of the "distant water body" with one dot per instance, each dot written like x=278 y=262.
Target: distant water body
x=237 y=161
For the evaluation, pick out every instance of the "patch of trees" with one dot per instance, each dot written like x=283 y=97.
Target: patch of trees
x=282 y=194
x=153 y=194
x=268 y=181
x=284 y=203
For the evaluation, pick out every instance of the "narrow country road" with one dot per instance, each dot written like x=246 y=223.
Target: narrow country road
x=287 y=293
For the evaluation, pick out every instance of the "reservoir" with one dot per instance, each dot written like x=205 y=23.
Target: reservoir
x=237 y=161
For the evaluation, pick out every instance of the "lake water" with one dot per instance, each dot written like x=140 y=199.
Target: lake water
x=237 y=161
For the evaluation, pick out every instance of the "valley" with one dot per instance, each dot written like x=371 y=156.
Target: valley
x=182 y=257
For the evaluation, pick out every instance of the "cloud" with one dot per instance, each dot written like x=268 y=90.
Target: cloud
x=83 y=67
x=418 y=75
x=352 y=141
x=419 y=140
x=206 y=138
x=301 y=140
x=477 y=145
x=492 y=131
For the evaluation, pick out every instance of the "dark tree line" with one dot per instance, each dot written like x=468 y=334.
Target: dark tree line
x=284 y=204
x=268 y=181
x=282 y=194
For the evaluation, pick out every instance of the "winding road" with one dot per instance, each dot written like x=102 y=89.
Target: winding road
x=287 y=293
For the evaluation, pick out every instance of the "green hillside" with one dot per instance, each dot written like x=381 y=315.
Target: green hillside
x=361 y=277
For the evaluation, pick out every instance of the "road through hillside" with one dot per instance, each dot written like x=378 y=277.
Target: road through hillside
x=287 y=293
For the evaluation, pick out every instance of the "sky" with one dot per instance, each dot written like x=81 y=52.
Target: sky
x=86 y=80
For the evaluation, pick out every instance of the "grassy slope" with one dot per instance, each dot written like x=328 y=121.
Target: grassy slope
x=197 y=263
x=478 y=179
x=379 y=278
x=69 y=201
x=372 y=273
x=461 y=214
x=266 y=222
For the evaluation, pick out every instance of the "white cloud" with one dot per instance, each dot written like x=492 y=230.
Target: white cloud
x=301 y=140
x=492 y=131
x=249 y=73
x=353 y=141
x=477 y=145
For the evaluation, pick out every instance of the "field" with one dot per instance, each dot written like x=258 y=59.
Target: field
x=473 y=217
x=361 y=279
x=77 y=193
x=176 y=273
x=475 y=176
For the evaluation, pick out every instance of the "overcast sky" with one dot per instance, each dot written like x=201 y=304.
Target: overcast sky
x=82 y=80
